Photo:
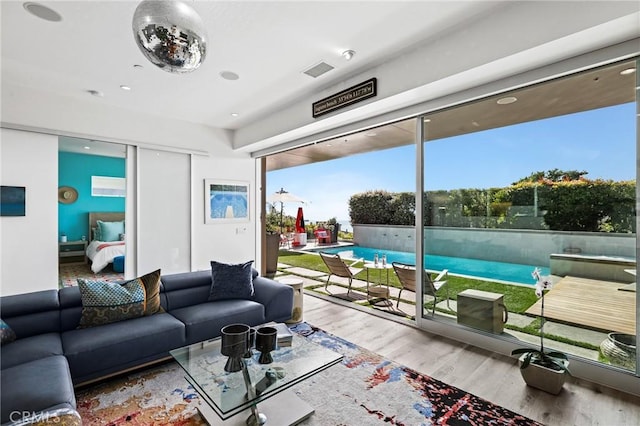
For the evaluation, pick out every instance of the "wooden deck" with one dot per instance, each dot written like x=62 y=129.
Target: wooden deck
x=590 y=303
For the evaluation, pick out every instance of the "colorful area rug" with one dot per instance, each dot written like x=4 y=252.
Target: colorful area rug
x=365 y=389
x=69 y=274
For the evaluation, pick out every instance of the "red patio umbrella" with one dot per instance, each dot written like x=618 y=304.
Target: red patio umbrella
x=300 y=222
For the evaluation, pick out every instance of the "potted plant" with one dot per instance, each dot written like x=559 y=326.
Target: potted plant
x=334 y=228
x=545 y=370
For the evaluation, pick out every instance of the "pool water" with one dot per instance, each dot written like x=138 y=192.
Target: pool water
x=495 y=271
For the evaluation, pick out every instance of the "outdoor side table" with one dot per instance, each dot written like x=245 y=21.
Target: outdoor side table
x=378 y=291
x=296 y=284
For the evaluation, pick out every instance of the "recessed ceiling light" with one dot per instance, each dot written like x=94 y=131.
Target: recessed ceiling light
x=229 y=75
x=506 y=101
x=348 y=54
x=95 y=93
x=371 y=134
x=87 y=147
x=234 y=114
x=125 y=87
x=42 y=12
x=628 y=71
x=475 y=124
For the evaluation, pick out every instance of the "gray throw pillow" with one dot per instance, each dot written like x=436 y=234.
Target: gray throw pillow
x=231 y=281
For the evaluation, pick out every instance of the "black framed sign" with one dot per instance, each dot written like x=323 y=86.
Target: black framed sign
x=352 y=95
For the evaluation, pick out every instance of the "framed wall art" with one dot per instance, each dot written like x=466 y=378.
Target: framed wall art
x=12 y=201
x=226 y=201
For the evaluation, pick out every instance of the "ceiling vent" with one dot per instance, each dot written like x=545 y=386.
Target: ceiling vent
x=318 y=70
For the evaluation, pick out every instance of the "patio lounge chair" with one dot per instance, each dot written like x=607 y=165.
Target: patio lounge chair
x=338 y=268
x=407 y=277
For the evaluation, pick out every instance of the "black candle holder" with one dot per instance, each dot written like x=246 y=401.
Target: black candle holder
x=235 y=342
x=266 y=341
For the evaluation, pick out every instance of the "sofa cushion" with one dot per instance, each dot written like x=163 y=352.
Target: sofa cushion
x=98 y=351
x=30 y=349
x=186 y=289
x=7 y=335
x=36 y=386
x=205 y=320
x=231 y=281
x=106 y=302
x=30 y=314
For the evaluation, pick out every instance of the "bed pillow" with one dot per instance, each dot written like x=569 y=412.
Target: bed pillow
x=7 y=335
x=231 y=281
x=95 y=232
x=110 y=231
x=106 y=302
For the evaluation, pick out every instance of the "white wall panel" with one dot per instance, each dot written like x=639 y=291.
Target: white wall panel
x=29 y=244
x=230 y=242
x=164 y=211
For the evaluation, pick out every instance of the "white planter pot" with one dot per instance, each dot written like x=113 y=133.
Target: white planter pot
x=544 y=378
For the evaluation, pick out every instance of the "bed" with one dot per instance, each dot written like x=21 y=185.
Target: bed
x=101 y=253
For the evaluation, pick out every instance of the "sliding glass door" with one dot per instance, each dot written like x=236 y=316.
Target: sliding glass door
x=542 y=178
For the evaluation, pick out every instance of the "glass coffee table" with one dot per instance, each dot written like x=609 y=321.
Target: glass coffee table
x=226 y=395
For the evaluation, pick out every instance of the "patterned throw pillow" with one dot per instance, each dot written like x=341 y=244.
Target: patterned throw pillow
x=6 y=333
x=231 y=281
x=105 y=302
x=151 y=282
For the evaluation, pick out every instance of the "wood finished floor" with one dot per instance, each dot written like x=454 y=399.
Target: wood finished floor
x=488 y=375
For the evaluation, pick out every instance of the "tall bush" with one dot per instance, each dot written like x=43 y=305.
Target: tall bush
x=556 y=199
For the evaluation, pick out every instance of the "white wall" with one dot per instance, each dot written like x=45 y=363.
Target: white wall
x=230 y=243
x=91 y=118
x=29 y=244
x=35 y=166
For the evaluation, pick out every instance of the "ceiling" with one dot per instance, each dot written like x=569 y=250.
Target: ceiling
x=267 y=43
x=598 y=88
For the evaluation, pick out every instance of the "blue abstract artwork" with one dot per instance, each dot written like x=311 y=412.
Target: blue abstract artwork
x=12 y=201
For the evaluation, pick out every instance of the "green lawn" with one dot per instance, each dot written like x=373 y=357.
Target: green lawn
x=517 y=299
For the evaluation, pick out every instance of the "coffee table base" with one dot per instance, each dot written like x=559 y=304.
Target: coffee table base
x=283 y=409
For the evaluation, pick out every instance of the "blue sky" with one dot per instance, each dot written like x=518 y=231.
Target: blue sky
x=601 y=142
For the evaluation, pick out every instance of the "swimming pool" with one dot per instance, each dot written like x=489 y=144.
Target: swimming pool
x=495 y=271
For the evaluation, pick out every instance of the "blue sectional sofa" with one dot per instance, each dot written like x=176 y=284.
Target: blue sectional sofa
x=51 y=355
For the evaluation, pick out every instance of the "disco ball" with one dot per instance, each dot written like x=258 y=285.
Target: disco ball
x=170 y=34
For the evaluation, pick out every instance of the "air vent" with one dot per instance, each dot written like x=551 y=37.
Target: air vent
x=318 y=70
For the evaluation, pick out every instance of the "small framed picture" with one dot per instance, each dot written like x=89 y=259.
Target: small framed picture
x=226 y=201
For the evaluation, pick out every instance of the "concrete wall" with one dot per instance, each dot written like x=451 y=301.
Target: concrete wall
x=514 y=246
